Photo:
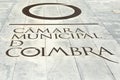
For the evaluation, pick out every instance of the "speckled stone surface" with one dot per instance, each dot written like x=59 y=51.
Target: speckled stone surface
x=63 y=56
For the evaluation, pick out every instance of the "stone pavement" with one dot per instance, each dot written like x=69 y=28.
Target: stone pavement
x=85 y=47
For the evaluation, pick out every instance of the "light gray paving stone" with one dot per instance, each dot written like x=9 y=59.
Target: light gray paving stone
x=58 y=66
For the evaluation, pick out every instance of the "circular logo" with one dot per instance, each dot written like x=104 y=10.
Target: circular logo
x=27 y=12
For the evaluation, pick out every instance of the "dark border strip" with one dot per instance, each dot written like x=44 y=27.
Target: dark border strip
x=60 y=24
